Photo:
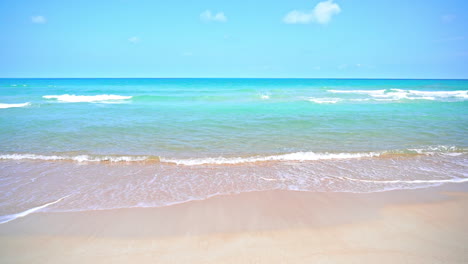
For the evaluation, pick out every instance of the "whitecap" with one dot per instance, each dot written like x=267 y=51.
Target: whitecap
x=71 y=98
x=368 y=92
x=3 y=106
x=398 y=94
x=324 y=100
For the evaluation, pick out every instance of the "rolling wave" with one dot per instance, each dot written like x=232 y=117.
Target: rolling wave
x=3 y=106
x=382 y=95
x=399 y=94
x=295 y=156
x=78 y=158
x=324 y=100
x=71 y=98
x=314 y=156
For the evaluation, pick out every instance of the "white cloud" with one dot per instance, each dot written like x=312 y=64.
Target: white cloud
x=207 y=16
x=134 y=39
x=322 y=14
x=298 y=17
x=38 y=19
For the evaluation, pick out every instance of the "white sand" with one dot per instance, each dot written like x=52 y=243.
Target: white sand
x=416 y=226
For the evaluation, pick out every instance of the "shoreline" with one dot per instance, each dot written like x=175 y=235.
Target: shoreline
x=257 y=227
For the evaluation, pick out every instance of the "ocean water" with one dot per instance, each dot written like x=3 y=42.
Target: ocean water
x=117 y=143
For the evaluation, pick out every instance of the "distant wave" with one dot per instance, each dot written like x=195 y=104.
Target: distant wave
x=399 y=94
x=295 y=156
x=196 y=97
x=8 y=218
x=3 y=106
x=324 y=100
x=71 y=98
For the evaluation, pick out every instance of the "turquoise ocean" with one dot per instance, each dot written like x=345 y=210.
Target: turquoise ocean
x=95 y=144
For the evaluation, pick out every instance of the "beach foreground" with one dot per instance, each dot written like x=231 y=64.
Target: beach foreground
x=406 y=226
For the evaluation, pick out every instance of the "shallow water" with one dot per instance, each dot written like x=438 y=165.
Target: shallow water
x=113 y=143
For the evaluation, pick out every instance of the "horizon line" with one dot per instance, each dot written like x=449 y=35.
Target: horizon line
x=279 y=78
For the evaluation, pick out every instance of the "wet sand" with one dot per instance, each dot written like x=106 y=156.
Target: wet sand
x=411 y=226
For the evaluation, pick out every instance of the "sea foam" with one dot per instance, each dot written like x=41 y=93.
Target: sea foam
x=78 y=158
x=297 y=156
x=398 y=94
x=294 y=156
x=3 y=106
x=324 y=100
x=8 y=218
x=71 y=98
x=313 y=156
x=454 y=180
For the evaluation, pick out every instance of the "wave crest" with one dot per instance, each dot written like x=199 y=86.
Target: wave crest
x=79 y=158
x=3 y=106
x=295 y=156
x=71 y=98
x=399 y=94
x=324 y=100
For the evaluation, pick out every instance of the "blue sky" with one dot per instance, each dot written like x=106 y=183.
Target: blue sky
x=295 y=38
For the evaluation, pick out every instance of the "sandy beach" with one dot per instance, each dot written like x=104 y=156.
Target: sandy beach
x=319 y=131
x=408 y=226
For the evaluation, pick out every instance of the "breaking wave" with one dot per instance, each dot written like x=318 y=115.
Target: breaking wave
x=295 y=156
x=78 y=158
x=324 y=100
x=399 y=94
x=3 y=106
x=71 y=98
